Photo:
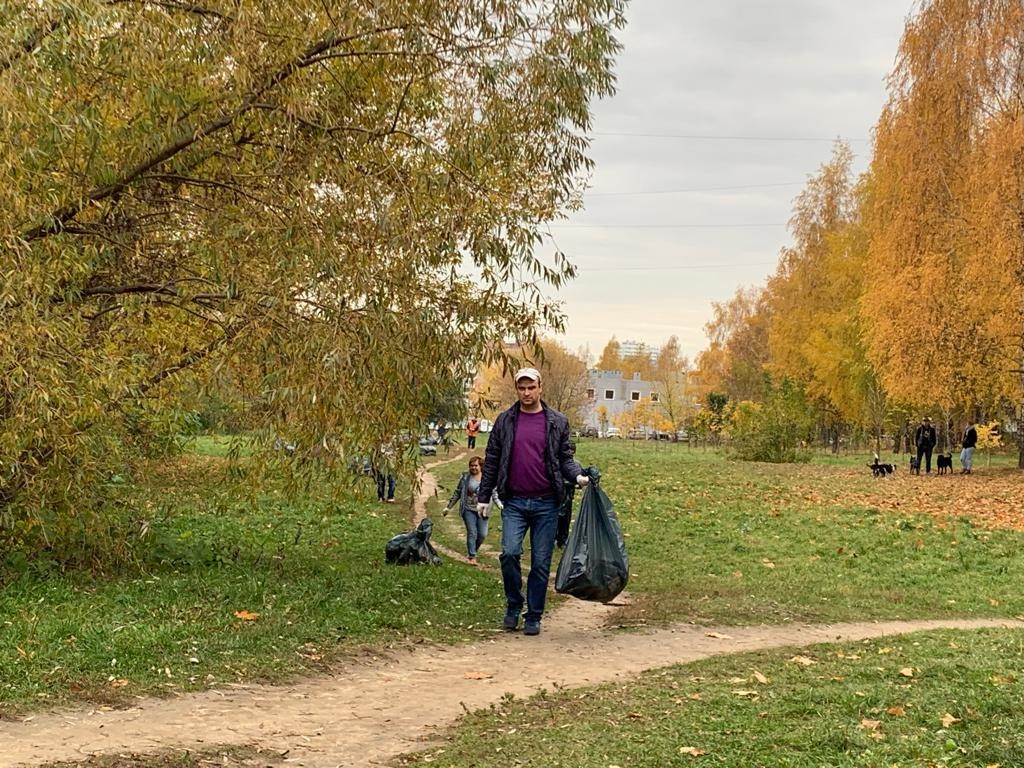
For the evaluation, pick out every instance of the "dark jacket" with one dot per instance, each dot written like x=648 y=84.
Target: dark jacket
x=467 y=501
x=925 y=437
x=970 y=437
x=558 y=454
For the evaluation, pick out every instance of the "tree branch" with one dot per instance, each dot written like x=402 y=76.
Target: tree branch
x=170 y=5
x=32 y=41
x=57 y=220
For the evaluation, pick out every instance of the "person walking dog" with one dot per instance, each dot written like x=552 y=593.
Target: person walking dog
x=528 y=456
x=925 y=439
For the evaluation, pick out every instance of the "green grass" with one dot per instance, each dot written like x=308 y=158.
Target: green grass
x=717 y=541
x=310 y=565
x=884 y=702
x=710 y=540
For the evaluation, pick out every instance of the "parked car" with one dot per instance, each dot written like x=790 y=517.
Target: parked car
x=612 y=432
x=428 y=446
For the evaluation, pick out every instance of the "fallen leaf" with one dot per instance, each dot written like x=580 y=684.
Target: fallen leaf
x=718 y=635
x=870 y=725
x=907 y=672
x=948 y=720
x=245 y=615
x=694 y=697
x=747 y=694
x=803 y=661
x=692 y=751
x=767 y=563
x=896 y=711
x=993 y=602
x=472 y=675
x=118 y=683
x=760 y=678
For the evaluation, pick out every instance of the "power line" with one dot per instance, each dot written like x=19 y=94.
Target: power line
x=711 y=137
x=695 y=189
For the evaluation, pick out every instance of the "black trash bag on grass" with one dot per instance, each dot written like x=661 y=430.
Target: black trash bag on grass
x=595 y=565
x=412 y=547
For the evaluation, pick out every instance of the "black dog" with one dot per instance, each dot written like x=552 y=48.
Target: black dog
x=915 y=465
x=881 y=470
x=944 y=463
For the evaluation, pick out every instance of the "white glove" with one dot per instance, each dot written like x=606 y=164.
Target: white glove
x=483 y=510
x=582 y=481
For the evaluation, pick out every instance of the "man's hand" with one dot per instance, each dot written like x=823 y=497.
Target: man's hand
x=582 y=481
x=483 y=510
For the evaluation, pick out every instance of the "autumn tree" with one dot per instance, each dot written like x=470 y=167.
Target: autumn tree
x=670 y=376
x=611 y=356
x=815 y=335
x=946 y=211
x=340 y=204
x=738 y=352
x=564 y=380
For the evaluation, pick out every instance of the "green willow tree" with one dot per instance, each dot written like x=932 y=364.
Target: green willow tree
x=337 y=206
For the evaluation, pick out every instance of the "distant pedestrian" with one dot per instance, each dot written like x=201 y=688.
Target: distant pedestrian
x=925 y=439
x=526 y=461
x=385 y=485
x=472 y=429
x=466 y=496
x=383 y=472
x=968 y=443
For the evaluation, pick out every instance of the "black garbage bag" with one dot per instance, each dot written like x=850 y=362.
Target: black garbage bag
x=412 y=547
x=595 y=565
x=565 y=515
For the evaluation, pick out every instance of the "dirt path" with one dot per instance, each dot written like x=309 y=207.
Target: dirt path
x=376 y=709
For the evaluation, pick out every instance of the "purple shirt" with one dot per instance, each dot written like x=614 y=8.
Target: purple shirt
x=527 y=474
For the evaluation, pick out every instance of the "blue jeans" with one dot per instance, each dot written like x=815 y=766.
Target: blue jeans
x=540 y=518
x=966 y=458
x=389 y=479
x=476 y=530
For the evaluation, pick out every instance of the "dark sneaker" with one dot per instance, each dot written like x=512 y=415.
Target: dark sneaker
x=510 y=622
x=531 y=628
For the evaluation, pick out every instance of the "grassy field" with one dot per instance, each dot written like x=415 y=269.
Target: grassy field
x=716 y=541
x=234 y=587
x=240 y=586
x=922 y=700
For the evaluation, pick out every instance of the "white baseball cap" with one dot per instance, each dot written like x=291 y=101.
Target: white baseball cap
x=528 y=373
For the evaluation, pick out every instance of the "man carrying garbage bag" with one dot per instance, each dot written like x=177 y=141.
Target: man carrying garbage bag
x=595 y=565
x=526 y=460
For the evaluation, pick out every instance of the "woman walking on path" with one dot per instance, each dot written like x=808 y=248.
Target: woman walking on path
x=465 y=495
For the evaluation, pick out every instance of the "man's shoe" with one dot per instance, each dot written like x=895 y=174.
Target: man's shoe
x=510 y=622
x=531 y=628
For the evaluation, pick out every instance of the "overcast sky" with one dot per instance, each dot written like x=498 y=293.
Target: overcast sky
x=723 y=110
